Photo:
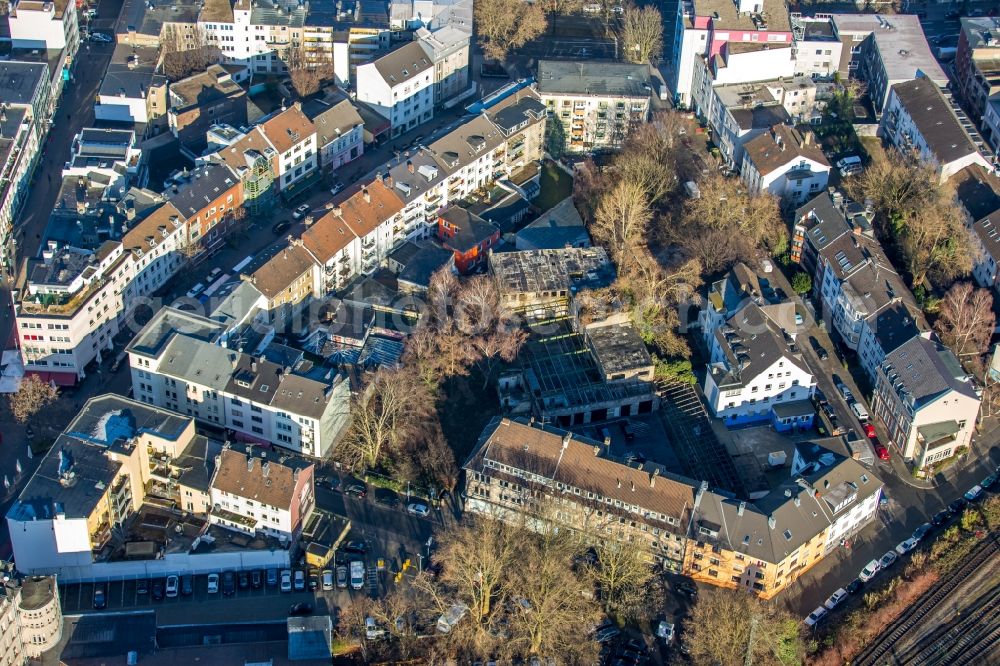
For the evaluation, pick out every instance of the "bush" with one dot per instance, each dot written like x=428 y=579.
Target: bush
x=802 y=283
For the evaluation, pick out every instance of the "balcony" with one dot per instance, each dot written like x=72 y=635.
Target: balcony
x=100 y=536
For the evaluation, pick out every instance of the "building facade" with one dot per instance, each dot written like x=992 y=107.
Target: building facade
x=31 y=619
x=785 y=162
x=399 y=86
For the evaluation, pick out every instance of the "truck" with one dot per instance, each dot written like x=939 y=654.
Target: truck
x=451 y=617
x=357 y=574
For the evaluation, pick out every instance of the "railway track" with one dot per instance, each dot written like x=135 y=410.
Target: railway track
x=952 y=640
x=875 y=654
x=979 y=650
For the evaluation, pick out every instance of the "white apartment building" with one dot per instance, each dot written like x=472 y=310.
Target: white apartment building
x=157 y=244
x=253 y=491
x=293 y=137
x=113 y=154
x=178 y=363
x=339 y=133
x=986 y=239
x=26 y=93
x=41 y=24
x=68 y=313
x=919 y=119
x=448 y=48
x=816 y=48
x=753 y=368
x=926 y=401
x=598 y=103
x=785 y=162
x=399 y=86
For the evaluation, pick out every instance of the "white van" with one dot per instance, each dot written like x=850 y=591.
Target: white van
x=849 y=165
x=357 y=574
x=859 y=411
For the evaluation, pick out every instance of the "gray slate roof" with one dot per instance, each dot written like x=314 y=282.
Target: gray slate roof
x=591 y=77
x=927 y=370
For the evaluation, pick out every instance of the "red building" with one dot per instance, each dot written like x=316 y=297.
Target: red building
x=469 y=236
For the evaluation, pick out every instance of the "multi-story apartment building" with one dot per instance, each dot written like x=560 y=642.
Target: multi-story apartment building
x=727 y=296
x=883 y=51
x=448 y=48
x=754 y=368
x=26 y=95
x=114 y=155
x=598 y=103
x=38 y=24
x=202 y=100
x=702 y=28
x=287 y=281
x=252 y=157
x=31 y=619
x=926 y=401
x=533 y=474
x=399 y=86
x=468 y=236
x=765 y=545
x=339 y=132
x=816 y=47
x=336 y=248
x=255 y=491
x=209 y=199
x=132 y=91
x=736 y=113
x=75 y=516
x=67 y=311
x=991 y=124
x=785 y=162
x=178 y=363
x=977 y=64
x=293 y=138
x=920 y=120
x=986 y=239
x=158 y=245
x=529 y=471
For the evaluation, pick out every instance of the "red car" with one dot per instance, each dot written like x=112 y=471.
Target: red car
x=880 y=450
x=869 y=430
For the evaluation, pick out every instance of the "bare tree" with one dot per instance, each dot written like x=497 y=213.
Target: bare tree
x=621 y=221
x=626 y=580
x=31 y=397
x=389 y=411
x=187 y=52
x=307 y=74
x=732 y=628
x=966 y=320
x=641 y=34
x=507 y=24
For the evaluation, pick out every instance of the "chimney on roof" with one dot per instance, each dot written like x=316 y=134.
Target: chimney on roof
x=597 y=451
x=619 y=482
x=741 y=508
x=338 y=211
x=249 y=463
x=265 y=468
x=367 y=195
x=607 y=442
x=771 y=522
x=409 y=166
x=652 y=477
x=565 y=439
x=253 y=366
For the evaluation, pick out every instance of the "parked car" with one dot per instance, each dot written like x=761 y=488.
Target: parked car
x=844 y=391
x=906 y=546
x=272 y=577
x=187 y=585
x=869 y=571
x=974 y=494
x=142 y=586
x=313 y=581
x=687 y=589
x=341 y=576
x=256 y=579
x=286 y=581
x=957 y=506
x=819 y=397
x=327 y=579
x=357 y=574
x=880 y=450
x=941 y=517
x=338 y=186
x=101 y=38
x=213 y=583
x=301 y=211
x=158 y=589
x=815 y=616
x=281 y=227
x=301 y=608
x=859 y=411
x=869 y=431
x=173 y=584
x=921 y=532
x=100 y=597
x=300 y=580
x=356 y=489
x=387 y=499
x=417 y=509
x=818 y=348
x=830 y=412
x=855 y=586
x=888 y=559
x=988 y=482
x=228 y=583
x=356 y=547
x=243 y=580
x=835 y=599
